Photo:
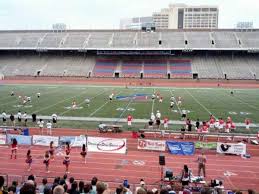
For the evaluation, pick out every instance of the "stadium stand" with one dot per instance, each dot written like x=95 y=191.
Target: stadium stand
x=155 y=68
x=131 y=68
x=105 y=67
x=76 y=53
x=180 y=68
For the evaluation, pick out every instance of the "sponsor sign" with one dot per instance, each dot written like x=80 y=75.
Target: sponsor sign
x=106 y=145
x=44 y=140
x=231 y=148
x=208 y=145
x=145 y=144
x=2 y=139
x=181 y=148
x=21 y=139
x=74 y=141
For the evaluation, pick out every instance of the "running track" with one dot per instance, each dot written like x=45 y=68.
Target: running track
x=117 y=167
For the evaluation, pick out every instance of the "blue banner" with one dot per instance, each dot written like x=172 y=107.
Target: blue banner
x=181 y=148
x=21 y=139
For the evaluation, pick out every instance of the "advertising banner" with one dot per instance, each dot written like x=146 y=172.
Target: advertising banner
x=206 y=145
x=106 y=145
x=181 y=148
x=156 y=145
x=44 y=140
x=74 y=141
x=21 y=139
x=2 y=139
x=231 y=148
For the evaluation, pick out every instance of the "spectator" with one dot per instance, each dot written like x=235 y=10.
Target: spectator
x=11 y=190
x=47 y=190
x=141 y=191
x=74 y=188
x=100 y=187
x=28 y=188
x=2 y=185
x=44 y=184
x=93 y=183
x=87 y=188
x=163 y=191
x=81 y=187
x=69 y=183
x=58 y=190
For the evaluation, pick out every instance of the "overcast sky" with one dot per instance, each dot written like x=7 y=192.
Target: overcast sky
x=103 y=14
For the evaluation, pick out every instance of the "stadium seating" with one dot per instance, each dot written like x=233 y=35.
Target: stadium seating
x=155 y=68
x=148 y=40
x=131 y=68
x=180 y=68
x=249 y=39
x=105 y=67
x=123 y=40
x=75 y=40
x=225 y=40
x=198 y=40
x=51 y=40
x=99 y=39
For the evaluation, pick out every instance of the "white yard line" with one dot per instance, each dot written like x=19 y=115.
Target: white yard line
x=243 y=102
x=100 y=107
x=83 y=102
x=196 y=100
x=180 y=110
x=47 y=107
x=47 y=93
x=153 y=101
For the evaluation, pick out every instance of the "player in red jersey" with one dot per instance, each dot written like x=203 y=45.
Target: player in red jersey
x=66 y=162
x=14 y=148
x=28 y=159
x=166 y=121
x=83 y=153
x=68 y=148
x=46 y=161
x=51 y=150
x=247 y=123
x=129 y=119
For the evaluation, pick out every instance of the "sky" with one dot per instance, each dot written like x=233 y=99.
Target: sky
x=106 y=14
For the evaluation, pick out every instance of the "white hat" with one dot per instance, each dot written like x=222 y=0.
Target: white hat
x=142 y=183
x=154 y=190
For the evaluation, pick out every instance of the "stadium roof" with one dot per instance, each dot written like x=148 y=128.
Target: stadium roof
x=83 y=40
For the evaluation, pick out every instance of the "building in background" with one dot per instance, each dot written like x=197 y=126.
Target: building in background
x=182 y=16
x=245 y=25
x=136 y=23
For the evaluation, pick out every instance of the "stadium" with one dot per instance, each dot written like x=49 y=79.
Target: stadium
x=88 y=77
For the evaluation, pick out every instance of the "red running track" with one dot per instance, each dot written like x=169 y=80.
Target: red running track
x=117 y=167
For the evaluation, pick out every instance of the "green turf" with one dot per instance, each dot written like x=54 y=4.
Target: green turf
x=201 y=102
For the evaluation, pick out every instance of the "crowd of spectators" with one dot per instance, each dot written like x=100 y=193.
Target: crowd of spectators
x=65 y=185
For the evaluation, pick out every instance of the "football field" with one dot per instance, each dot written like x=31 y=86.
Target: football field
x=198 y=102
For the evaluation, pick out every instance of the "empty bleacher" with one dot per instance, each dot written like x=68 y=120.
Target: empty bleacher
x=155 y=68
x=131 y=68
x=105 y=67
x=180 y=68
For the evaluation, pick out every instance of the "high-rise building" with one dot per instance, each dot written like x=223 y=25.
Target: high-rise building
x=245 y=25
x=182 y=16
x=136 y=23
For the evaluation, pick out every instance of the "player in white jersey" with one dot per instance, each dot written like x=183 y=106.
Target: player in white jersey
x=24 y=116
x=54 y=119
x=153 y=118
x=4 y=116
x=111 y=97
x=158 y=114
x=172 y=104
x=19 y=116
x=38 y=94
x=87 y=101
x=28 y=99
x=49 y=127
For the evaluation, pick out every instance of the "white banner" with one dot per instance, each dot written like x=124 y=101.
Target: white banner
x=107 y=145
x=44 y=140
x=145 y=144
x=2 y=139
x=231 y=148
